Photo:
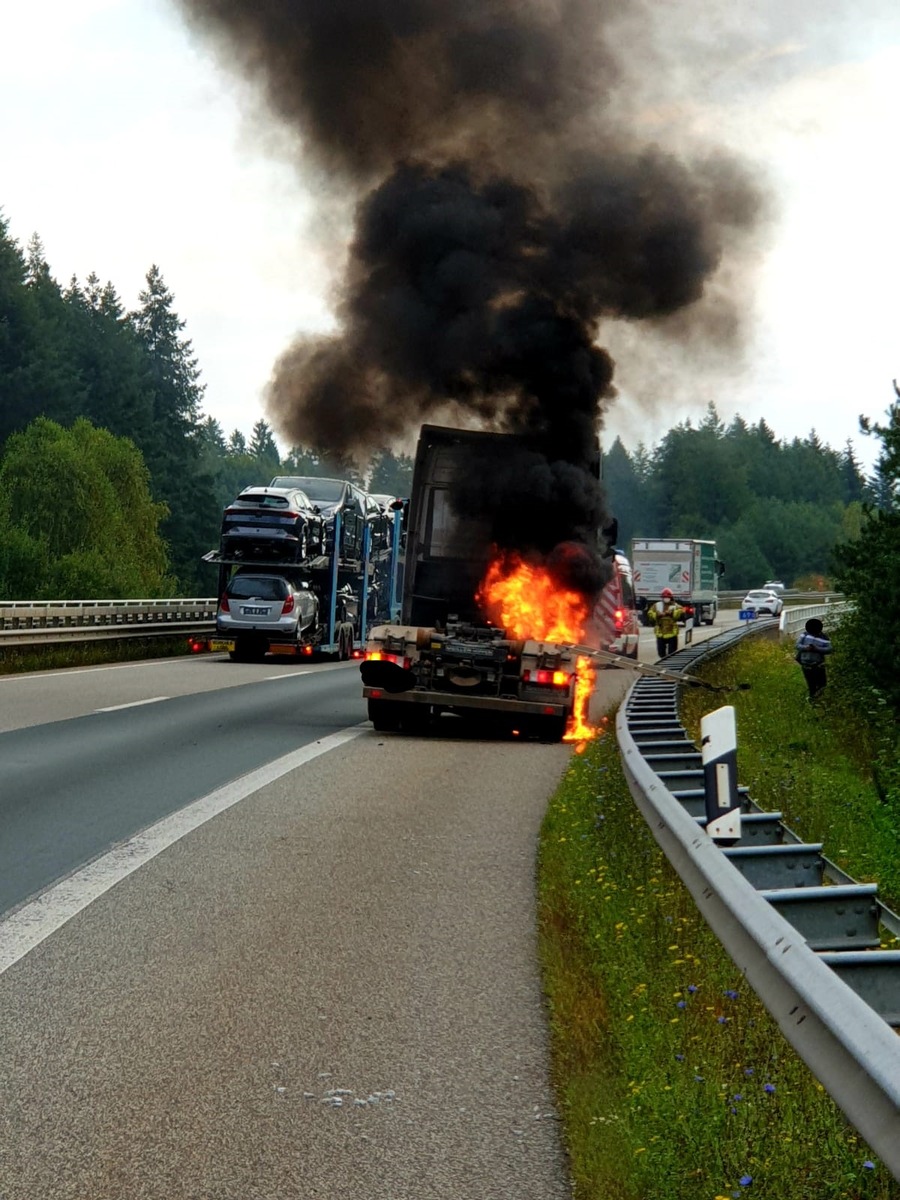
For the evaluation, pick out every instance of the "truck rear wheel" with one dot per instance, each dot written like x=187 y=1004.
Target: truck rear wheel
x=548 y=729
x=416 y=717
x=384 y=715
x=248 y=649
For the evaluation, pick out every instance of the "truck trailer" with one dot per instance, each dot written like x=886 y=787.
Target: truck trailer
x=443 y=654
x=689 y=567
x=339 y=597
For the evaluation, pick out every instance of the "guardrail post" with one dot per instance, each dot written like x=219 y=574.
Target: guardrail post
x=718 y=742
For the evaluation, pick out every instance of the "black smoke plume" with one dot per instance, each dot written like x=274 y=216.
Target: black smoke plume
x=505 y=207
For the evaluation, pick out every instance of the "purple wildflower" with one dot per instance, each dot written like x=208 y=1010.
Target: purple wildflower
x=769 y=1088
x=692 y=987
x=745 y=1180
x=868 y=1165
x=731 y=994
x=748 y=1071
x=681 y=1004
x=722 y=1020
x=737 y=1097
x=679 y=1058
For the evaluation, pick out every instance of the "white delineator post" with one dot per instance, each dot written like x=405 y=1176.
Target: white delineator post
x=718 y=743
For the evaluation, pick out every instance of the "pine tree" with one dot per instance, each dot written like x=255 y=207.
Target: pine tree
x=391 y=474
x=262 y=447
x=173 y=453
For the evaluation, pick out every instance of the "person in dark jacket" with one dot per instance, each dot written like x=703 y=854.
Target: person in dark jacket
x=812 y=647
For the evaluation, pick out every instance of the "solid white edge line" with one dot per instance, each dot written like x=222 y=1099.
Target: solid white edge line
x=132 y=704
x=27 y=927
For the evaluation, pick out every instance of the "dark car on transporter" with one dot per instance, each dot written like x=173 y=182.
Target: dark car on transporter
x=269 y=524
x=330 y=497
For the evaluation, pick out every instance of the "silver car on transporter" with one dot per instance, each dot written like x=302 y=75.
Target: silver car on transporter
x=260 y=612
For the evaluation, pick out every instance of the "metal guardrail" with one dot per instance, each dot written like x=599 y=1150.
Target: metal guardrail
x=793 y=619
x=47 y=622
x=834 y=1006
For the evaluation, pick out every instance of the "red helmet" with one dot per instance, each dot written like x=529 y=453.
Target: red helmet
x=666 y=593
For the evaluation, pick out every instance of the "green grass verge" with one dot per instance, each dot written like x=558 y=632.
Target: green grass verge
x=15 y=660
x=673 y=1081
x=812 y=763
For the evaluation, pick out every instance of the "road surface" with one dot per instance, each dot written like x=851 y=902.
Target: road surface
x=332 y=984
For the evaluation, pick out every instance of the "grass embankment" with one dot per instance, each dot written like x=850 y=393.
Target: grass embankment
x=14 y=661
x=673 y=1082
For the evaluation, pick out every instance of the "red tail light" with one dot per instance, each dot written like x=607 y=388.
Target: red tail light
x=619 y=618
x=288 y=606
x=223 y=603
x=380 y=656
x=556 y=678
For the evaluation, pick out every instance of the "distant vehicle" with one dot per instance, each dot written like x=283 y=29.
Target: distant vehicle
x=688 y=567
x=258 y=611
x=267 y=524
x=763 y=603
x=773 y=585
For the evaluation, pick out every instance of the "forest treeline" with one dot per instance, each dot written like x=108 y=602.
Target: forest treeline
x=75 y=363
x=777 y=509
x=102 y=430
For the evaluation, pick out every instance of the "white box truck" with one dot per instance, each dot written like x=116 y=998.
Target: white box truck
x=688 y=566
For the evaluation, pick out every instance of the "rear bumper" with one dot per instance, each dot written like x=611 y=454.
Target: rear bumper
x=454 y=700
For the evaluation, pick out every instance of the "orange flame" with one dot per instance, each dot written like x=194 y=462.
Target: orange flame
x=578 y=728
x=526 y=601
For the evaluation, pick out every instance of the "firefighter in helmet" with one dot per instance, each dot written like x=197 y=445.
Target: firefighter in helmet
x=665 y=615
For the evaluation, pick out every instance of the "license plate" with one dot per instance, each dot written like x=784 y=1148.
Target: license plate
x=469 y=649
x=284 y=649
x=246 y=611
x=220 y=644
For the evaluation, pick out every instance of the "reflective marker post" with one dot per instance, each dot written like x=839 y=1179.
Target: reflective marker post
x=718 y=743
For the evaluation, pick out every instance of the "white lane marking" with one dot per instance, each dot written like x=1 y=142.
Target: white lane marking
x=30 y=925
x=74 y=672
x=133 y=704
x=288 y=674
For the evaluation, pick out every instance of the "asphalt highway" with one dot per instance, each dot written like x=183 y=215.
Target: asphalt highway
x=327 y=982
x=71 y=788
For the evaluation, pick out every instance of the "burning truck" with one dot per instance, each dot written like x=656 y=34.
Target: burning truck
x=487 y=629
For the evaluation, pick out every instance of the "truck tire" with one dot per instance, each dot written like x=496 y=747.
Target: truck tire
x=249 y=650
x=415 y=718
x=384 y=715
x=713 y=613
x=548 y=729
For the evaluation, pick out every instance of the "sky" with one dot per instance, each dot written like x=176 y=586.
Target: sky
x=123 y=143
